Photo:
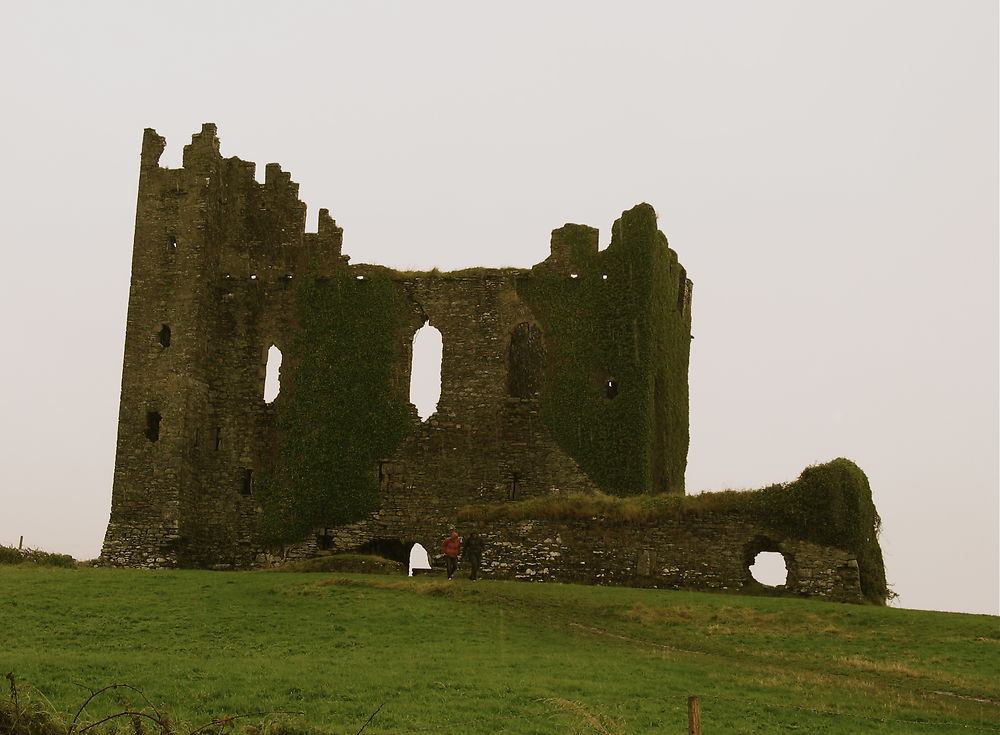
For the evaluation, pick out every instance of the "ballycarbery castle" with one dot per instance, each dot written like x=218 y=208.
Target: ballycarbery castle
x=561 y=433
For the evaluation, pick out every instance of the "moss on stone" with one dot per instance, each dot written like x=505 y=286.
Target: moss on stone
x=339 y=414
x=617 y=339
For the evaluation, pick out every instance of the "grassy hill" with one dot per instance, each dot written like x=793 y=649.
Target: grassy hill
x=486 y=657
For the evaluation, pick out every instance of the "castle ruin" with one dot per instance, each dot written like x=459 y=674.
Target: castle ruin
x=568 y=377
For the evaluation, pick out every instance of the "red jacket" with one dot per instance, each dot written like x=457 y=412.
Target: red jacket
x=451 y=546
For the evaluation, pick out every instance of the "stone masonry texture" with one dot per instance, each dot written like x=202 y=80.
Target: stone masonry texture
x=203 y=466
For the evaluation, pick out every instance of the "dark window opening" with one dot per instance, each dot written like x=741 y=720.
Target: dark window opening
x=152 y=425
x=610 y=388
x=165 y=335
x=218 y=437
x=525 y=361
x=173 y=241
x=247 y=486
x=512 y=486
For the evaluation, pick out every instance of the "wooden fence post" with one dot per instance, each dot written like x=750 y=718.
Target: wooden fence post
x=694 y=716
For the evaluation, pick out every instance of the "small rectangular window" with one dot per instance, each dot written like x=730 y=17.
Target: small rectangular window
x=153 y=426
x=247 y=486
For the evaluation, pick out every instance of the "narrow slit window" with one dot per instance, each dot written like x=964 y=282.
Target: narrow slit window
x=512 y=488
x=153 y=425
x=218 y=437
x=165 y=335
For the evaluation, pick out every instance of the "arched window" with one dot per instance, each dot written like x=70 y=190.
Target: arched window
x=272 y=382
x=425 y=371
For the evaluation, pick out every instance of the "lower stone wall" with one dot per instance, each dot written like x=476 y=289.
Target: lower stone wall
x=712 y=553
x=708 y=552
x=138 y=545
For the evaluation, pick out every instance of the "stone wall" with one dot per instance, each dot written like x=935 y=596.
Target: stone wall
x=567 y=377
x=712 y=551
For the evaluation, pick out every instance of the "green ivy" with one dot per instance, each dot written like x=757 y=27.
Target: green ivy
x=831 y=505
x=338 y=414
x=618 y=320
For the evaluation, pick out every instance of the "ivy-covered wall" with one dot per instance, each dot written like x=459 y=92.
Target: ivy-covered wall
x=341 y=410
x=617 y=328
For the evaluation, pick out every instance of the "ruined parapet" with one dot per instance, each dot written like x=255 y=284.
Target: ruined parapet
x=571 y=248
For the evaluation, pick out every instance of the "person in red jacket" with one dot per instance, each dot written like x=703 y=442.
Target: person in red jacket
x=451 y=547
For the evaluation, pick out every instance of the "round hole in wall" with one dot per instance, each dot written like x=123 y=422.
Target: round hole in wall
x=769 y=569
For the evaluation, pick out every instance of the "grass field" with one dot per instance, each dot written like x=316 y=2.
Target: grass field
x=489 y=657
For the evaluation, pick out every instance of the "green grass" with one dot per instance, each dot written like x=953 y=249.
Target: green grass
x=490 y=657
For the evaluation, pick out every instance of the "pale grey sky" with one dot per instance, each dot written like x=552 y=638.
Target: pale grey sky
x=827 y=172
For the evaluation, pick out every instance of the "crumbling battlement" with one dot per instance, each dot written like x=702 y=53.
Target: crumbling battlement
x=570 y=376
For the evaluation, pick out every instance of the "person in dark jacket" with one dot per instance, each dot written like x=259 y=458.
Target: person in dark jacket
x=451 y=547
x=473 y=551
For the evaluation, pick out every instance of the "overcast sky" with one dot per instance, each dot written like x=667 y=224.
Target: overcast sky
x=826 y=171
